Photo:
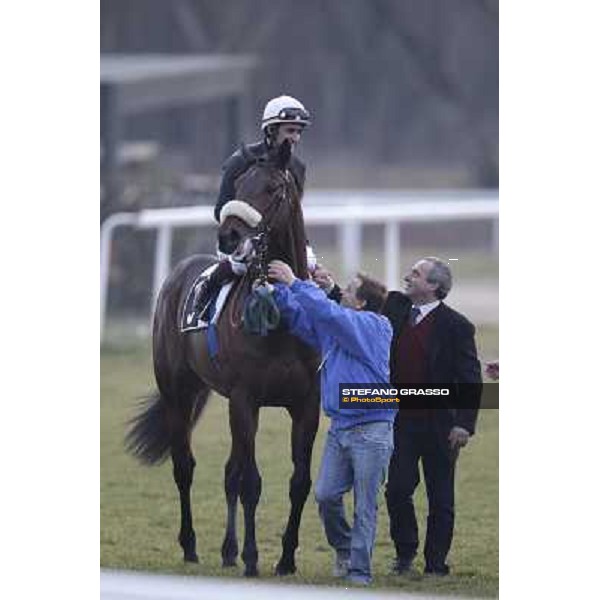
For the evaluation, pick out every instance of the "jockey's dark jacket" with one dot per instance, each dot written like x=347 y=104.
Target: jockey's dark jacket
x=239 y=162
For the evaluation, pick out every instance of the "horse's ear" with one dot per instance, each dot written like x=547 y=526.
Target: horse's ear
x=284 y=155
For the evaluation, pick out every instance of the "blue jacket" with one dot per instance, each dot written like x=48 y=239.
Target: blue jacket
x=354 y=345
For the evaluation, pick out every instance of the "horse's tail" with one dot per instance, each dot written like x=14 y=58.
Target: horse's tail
x=168 y=416
x=149 y=438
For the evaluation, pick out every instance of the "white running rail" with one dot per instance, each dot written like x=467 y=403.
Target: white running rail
x=128 y=585
x=349 y=218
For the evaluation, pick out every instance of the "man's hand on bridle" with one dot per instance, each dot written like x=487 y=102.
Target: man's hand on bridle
x=280 y=271
x=322 y=277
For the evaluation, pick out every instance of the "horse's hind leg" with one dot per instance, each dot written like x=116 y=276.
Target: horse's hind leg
x=305 y=422
x=183 y=472
x=183 y=466
x=243 y=415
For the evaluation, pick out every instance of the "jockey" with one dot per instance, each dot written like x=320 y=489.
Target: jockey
x=284 y=119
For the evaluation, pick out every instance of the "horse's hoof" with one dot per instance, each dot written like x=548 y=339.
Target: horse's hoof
x=229 y=562
x=282 y=569
x=191 y=558
x=251 y=571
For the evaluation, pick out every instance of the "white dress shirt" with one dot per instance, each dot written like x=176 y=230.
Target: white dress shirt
x=425 y=309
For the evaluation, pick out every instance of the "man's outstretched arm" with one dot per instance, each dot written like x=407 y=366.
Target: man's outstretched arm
x=294 y=316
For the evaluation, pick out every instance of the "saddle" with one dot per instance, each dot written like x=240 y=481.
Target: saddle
x=190 y=317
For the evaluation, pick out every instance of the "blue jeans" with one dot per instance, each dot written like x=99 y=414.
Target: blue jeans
x=355 y=458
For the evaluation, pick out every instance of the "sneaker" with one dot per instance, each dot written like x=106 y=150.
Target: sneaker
x=362 y=580
x=341 y=566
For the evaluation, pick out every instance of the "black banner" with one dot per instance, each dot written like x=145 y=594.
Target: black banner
x=418 y=396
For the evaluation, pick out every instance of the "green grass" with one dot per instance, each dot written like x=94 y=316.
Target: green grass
x=140 y=508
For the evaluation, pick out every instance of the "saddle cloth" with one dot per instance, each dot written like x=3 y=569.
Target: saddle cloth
x=190 y=318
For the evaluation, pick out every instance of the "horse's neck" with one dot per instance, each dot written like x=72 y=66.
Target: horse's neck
x=297 y=240
x=291 y=252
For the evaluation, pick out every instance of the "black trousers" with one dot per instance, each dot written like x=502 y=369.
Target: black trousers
x=416 y=439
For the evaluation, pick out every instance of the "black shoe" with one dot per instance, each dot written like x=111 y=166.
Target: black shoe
x=437 y=571
x=402 y=566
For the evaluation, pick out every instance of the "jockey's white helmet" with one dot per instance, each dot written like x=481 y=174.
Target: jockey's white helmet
x=285 y=109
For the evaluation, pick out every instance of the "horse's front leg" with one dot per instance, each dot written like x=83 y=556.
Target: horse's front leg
x=305 y=422
x=243 y=414
x=229 y=549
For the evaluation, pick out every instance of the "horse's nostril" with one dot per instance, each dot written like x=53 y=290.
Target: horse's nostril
x=228 y=241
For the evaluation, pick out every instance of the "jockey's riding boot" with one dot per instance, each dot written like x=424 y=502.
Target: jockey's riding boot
x=202 y=300
x=210 y=286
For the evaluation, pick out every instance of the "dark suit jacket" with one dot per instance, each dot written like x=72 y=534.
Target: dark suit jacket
x=451 y=360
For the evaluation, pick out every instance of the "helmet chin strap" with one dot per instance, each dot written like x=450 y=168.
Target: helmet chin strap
x=271 y=135
x=284 y=152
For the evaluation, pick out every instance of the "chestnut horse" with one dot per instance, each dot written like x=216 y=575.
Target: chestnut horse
x=250 y=370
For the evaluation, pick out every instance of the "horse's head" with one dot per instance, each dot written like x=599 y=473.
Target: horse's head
x=233 y=232
x=267 y=199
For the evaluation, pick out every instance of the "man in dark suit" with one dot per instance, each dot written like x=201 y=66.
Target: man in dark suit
x=432 y=344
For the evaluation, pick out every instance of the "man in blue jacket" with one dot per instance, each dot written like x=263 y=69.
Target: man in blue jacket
x=354 y=341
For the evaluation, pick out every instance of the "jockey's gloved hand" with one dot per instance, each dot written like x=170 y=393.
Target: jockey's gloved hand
x=311 y=259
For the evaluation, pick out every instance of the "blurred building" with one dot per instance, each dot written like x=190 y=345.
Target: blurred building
x=403 y=93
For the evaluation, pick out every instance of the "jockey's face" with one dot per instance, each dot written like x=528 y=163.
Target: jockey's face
x=350 y=298
x=289 y=132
